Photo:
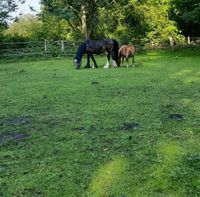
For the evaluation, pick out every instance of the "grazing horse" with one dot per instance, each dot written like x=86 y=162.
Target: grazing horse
x=91 y=47
x=126 y=51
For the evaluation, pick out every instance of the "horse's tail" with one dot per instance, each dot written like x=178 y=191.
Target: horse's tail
x=115 y=51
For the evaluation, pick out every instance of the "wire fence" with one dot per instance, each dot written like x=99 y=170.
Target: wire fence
x=47 y=49
x=37 y=49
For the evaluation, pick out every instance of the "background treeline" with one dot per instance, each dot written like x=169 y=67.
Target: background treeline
x=151 y=21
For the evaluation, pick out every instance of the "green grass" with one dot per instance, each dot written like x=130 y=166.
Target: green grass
x=101 y=133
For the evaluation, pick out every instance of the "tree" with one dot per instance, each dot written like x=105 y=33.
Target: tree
x=146 y=20
x=7 y=7
x=81 y=15
x=187 y=15
x=158 y=24
x=27 y=27
x=55 y=29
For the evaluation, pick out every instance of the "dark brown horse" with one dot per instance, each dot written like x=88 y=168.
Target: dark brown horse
x=126 y=51
x=91 y=47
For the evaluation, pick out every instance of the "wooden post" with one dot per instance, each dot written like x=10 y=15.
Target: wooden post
x=189 y=41
x=45 y=48
x=74 y=45
x=62 y=46
x=171 y=42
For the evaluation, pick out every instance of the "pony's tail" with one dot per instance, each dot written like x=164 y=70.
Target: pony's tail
x=115 y=51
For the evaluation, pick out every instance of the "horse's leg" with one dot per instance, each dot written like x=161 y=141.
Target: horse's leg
x=88 y=61
x=114 y=59
x=108 y=59
x=122 y=60
x=133 y=61
x=127 y=62
x=94 y=61
x=114 y=63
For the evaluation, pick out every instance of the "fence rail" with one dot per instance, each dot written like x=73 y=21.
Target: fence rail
x=38 y=49
x=15 y=50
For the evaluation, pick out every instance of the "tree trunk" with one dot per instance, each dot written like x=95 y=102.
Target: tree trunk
x=84 y=21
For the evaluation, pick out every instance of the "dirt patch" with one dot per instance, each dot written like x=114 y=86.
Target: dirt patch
x=32 y=192
x=12 y=137
x=177 y=117
x=130 y=126
x=19 y=136
x=20 y=120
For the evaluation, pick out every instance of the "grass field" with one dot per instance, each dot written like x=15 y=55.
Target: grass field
x=122 y=132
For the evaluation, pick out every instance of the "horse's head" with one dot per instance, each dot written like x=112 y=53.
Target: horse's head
x=79 y=54
x=118 y=61
x=77 y=63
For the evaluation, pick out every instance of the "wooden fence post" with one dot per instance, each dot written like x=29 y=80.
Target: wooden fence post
x=171 y=42
x=62 y=46
x=74 y=45
x=45 y=48
x=189 y=41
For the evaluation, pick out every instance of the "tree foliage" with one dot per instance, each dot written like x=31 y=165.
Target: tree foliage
x=158 y=24
x=146 y=20
x=6 y=8
x=56 y=29
x=27 y=27
x=125 y=20
x=187 y=15
x=81 y=15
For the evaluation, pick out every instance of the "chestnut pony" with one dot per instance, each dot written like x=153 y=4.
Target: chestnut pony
x=126 y=51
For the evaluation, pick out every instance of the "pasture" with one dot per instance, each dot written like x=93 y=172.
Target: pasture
x=122 y=132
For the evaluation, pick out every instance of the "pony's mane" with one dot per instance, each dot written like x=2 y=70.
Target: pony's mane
x=80 y=51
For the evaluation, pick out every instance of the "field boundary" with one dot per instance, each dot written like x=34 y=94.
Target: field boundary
x=63 y=48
